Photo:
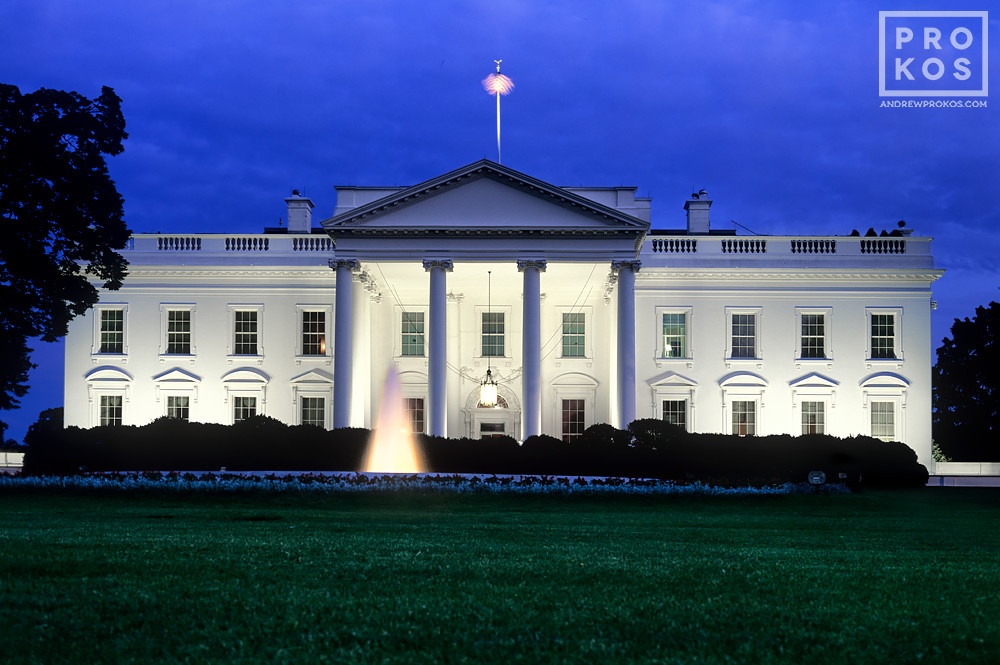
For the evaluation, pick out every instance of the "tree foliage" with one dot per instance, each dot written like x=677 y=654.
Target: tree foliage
x=967 y=388
x=61 y=218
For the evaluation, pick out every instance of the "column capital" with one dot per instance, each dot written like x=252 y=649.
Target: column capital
x=353 y=264
x=617 y=266
x=446 y=264
x=523 y=265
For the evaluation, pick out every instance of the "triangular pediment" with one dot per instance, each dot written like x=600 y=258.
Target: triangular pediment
x=482 y=201
x=813 y=380
x=176 y=376
x=313 y=376
x=671 y=378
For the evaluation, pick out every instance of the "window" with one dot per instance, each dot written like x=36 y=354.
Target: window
x=675 y=412
x=492 y=430
x=883 y=338
x=493 y=334
x=675 y=335
x=414 y=408
x=813 y=336
x=883 y=416
x=245 y=333
x=572 y=419
x=111 y=410
x=313 y=411
x=744 y=338
x=244 y=408
x=313 y=333
x=574 y=334
x=744 y=418
x=179 y=331
x=413 y=334
x=813 y=417
x=179 y=407
x=112 y=333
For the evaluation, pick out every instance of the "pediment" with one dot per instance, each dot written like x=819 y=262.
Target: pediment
x=108 y=373
x=813 y=380
x=743 y=379
x=484 y=198
x=313 y=376
x=671 y=379
x=575 y=379
x=246 y=375
x=176 y=376
x=884 y=380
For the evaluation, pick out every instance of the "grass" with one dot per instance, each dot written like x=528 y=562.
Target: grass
x=93 y=576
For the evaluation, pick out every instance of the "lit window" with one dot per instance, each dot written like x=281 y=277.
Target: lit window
x=574 y=334
x=813 y=417
x=883 y=339
x=245 y=332
x=414 y=408
x=313 y=333
x=883 y=420
x=179 y=331
x=675 y=335
x=744 y=418
x=179 y=407
x=112 y=331
x=313 y=411
x=675 y=412
x=572 y=419
x=244 y=408
x=493 y=334
x=813 y=336
x=413 y=334
x=744 y=339
x=111 y=410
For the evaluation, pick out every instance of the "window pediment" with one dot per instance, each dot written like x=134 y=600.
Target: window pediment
x=313 y=376
x=737 y=379
x=813 y=380
x=672 y=379
x=884 y=380
x=108 y=374
x=176 y=376
x=246 y=375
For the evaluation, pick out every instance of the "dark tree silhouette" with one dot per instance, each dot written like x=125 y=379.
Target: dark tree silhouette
x=967 y=388
x=60 y=218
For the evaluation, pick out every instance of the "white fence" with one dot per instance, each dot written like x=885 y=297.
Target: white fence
x=11 y=460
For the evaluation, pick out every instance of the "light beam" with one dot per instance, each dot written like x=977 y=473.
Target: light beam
x=498 y=84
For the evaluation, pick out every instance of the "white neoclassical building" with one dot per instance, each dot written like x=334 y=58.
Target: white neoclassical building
x=566 y=297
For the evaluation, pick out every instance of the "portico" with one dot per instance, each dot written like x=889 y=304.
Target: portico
x=455 y=229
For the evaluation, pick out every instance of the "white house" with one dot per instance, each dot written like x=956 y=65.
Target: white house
x=566 y=297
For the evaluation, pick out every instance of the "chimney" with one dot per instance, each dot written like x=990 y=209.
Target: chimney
x=299 y=213
x=697 y=212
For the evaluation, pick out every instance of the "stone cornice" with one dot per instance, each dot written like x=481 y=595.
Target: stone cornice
x=813 y=275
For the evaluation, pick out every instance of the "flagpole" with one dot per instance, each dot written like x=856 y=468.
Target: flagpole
x=498 y=84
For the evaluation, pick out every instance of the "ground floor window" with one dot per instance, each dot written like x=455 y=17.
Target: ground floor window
x=179 y=407
x=111 y=410
x=813 y=417
x=883 y=420
x=492 y=430
x=744 y=418
x=313 y=411
x=573 y=418
x=675 y=412
x=244 y=408
x=414 y=408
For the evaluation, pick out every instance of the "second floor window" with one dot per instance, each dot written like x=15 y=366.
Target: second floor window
x=313 y=333
x=245 y=331
x=493 y=334
x=744 y=336
x=574 y=334
x=413 y=334
x=112 y=331
x=883 y=338
x=179 y=331
x=674 y=335
x=813 y=336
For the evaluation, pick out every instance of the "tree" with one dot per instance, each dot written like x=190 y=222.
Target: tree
x=966 y=420
x=60 y=218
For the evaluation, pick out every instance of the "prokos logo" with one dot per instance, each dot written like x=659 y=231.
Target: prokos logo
x=933 y=54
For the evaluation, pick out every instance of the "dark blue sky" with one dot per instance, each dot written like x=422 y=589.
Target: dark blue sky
x=772 y=107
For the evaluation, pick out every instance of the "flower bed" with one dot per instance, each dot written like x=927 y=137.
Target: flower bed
x=363 y=482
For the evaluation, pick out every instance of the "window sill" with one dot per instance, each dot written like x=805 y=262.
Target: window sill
x=231 y=359
x=745 y=362
x=109 y=357
x=663 y=361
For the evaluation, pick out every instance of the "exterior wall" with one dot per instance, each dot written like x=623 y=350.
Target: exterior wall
x=706 y=277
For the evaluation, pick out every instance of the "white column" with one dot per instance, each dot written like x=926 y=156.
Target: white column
x=343 y=341
x=531 y=350
x=626 y=340
x=437 y=348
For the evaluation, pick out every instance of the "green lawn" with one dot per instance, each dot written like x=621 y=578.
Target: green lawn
x=98 y=576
